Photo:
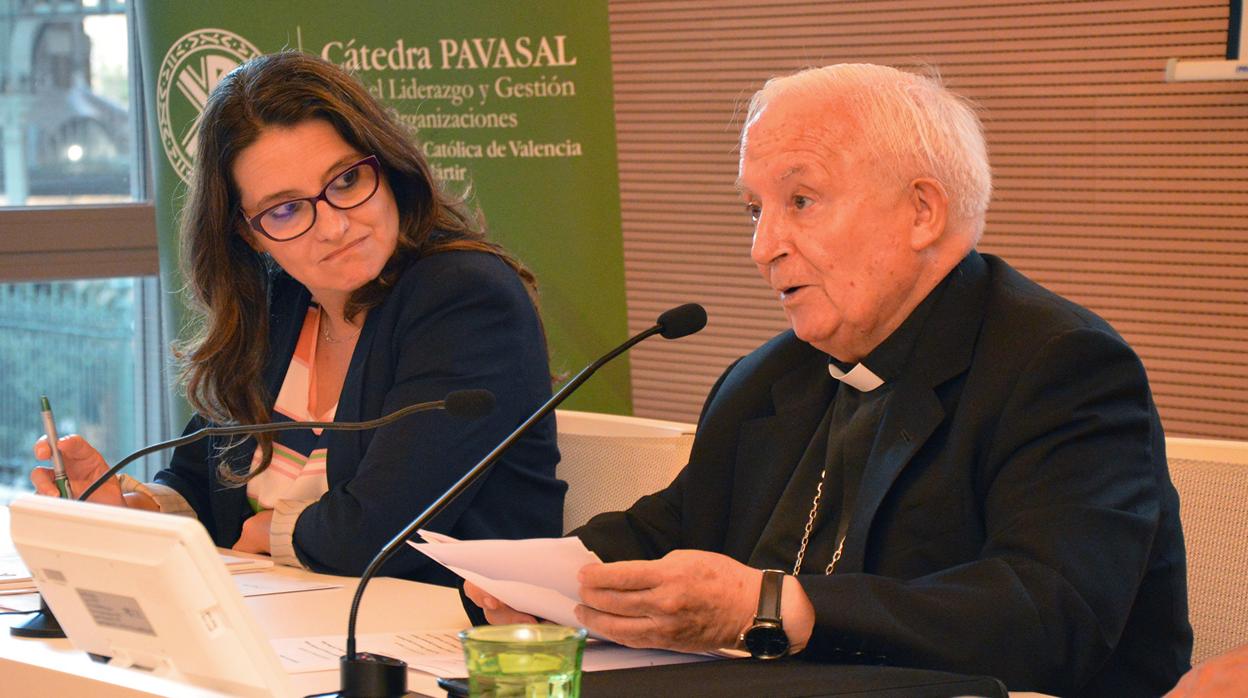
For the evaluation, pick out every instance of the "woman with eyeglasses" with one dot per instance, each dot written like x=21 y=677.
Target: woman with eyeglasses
x=335 y=280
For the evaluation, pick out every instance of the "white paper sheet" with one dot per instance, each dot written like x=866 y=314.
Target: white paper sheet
x=19 y=602
x=534 y=575
x=598 y=657
x=440 y=654
x=13 y=572
x=263 y=584
x=238 y=563
x=15 y=577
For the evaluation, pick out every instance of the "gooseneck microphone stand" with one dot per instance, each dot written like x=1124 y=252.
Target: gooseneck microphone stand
x=469 y=404
x=460 y=403
x=367 y=675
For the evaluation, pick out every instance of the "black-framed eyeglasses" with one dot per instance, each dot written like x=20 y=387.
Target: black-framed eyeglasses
x=348 y=189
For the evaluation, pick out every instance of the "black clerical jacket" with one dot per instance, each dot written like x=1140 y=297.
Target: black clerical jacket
x=1015 y=518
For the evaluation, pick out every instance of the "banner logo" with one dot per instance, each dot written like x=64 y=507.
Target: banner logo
x=193 y=66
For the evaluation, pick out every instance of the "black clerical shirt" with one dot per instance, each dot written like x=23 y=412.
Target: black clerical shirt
x=839 y=449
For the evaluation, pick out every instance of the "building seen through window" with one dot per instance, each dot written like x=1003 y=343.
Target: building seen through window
x=65 y=102
x=76 y=342
x=68 y=139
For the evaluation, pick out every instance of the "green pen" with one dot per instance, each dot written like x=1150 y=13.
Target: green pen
x=58 y=465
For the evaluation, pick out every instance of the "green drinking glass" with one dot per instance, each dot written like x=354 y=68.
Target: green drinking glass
x=525 y=661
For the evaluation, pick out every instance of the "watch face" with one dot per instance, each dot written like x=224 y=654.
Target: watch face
x=766 y=641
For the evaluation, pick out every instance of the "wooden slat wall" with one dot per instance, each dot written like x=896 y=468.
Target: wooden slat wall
x=1113 y=188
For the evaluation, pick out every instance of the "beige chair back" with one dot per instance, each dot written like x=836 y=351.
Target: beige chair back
x=1212 y=480
x=609 y=461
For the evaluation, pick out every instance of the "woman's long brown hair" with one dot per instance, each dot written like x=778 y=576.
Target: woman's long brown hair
x=228 y=281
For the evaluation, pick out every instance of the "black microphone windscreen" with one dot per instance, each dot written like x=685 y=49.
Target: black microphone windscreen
x=470 y=404
x=682 y=320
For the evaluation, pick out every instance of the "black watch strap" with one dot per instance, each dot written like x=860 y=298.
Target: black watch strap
x=766 y=639
x=769 y=596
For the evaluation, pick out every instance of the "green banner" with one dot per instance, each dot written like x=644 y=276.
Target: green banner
x=512 y=99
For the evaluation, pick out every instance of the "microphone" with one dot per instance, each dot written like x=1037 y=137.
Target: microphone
x=681 y=321
x=367 y=675
x=468 y=404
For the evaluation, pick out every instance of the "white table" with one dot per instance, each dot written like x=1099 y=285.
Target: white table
x=36 y=668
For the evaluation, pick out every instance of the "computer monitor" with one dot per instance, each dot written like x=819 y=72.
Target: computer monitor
x=147 y=590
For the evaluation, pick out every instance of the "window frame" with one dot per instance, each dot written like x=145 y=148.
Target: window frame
x=72 y=242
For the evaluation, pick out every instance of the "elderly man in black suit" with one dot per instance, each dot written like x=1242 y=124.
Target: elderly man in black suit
x=943 y=464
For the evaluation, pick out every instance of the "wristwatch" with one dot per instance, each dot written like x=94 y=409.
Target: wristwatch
x=765 y=639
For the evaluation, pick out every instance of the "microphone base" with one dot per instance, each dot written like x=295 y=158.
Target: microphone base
x=42 y=625
x=367 y=675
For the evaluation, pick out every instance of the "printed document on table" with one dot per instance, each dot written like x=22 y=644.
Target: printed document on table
x=440 y=653
x=13 y=573
x=264 y=583
x=238 y=563
x=19 y=601
x=534 y=575
x=15 y=577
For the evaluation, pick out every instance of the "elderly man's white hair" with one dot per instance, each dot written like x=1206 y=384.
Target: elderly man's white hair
x=913 y=125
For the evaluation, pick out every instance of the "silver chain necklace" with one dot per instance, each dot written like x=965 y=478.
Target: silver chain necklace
x=325 y=330
x=810 y=525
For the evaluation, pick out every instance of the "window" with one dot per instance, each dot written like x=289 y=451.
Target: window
x=79 y=300
x=90 y=345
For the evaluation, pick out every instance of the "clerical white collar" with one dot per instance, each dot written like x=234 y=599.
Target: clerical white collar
x=859 y=377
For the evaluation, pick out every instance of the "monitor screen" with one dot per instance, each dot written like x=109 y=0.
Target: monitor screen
x=147 y=590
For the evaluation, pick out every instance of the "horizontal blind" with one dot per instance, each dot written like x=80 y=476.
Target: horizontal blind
x=1112 y=187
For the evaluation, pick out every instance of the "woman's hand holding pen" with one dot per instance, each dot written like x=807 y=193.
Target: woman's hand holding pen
x=83 y=464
